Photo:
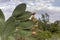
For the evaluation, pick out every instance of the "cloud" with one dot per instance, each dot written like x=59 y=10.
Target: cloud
x=39 y=6
x=8 y=7
x=3 y=1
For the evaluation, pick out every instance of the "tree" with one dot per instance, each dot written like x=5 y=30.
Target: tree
x=45 y=21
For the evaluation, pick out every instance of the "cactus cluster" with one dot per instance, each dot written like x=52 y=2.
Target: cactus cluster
x=22 y=25
x=19 y=20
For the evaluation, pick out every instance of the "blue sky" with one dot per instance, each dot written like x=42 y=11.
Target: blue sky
x=52 y=7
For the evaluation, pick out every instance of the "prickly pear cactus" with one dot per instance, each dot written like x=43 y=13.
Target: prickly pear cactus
x=2 y=22
x=19 y=26
x=18 y=23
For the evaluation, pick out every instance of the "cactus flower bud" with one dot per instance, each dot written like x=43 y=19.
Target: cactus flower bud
x=33 y=33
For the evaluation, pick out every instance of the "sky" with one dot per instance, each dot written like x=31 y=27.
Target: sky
x=52 y=7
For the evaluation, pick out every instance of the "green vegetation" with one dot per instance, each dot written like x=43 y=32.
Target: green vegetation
x=20 y=27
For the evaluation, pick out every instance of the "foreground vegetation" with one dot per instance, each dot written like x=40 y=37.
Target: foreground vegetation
x=22 y=25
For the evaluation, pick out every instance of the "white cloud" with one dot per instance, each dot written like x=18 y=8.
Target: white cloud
x=2 y=7
x=32 y=5
x=39 y=4
x=54 y=8
x=8 y=8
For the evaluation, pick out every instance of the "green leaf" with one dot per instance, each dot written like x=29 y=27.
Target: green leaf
x=23 y=33
x=2 y=21
x=19 y=9
x=10 y=26
x=26 y=25
x=25 y=15
x=2 y=15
